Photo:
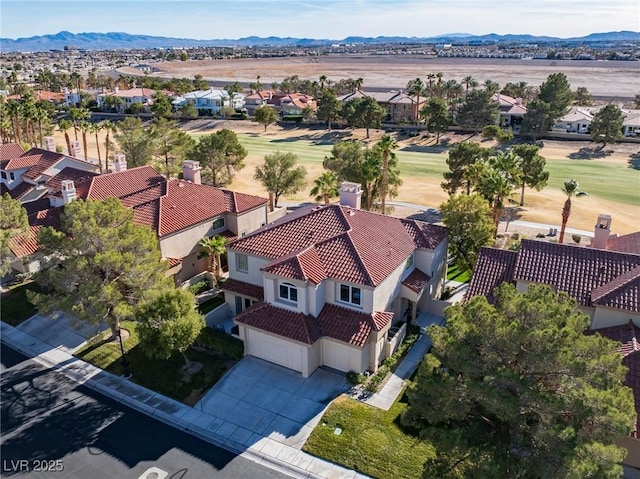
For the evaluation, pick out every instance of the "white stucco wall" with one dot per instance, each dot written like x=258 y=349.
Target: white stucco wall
x=249 y=221
x=254 y=275
x=316 y=300
x=73 y=163
x=185 y=242
x=389 y=289
x=604 y=317
x=344 y=357
x=272 y=293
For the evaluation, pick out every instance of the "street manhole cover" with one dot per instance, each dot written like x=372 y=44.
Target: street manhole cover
x=154 y=473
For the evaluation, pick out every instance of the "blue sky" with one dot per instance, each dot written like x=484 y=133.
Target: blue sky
x=336 y=19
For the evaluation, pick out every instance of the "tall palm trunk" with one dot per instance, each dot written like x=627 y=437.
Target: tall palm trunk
x=98 y=149
x=385 y=179
x=68 y=140
x=566 y=211
x=84 y=144
x=106 y=153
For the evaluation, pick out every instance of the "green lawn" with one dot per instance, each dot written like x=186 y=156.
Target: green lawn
x=14 y=305
x=599 y=177
x=372 y=441
x=163 y=376
x=456 y=274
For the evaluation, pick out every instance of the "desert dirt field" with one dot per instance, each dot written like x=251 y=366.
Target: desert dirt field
x=424 y=188
x=606 y=79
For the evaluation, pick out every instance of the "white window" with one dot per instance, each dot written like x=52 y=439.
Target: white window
x=288 y=292
x=350 y=294
x=242 y=262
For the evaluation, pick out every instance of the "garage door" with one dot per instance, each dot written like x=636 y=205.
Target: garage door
x=275 y=350
x=337 y=356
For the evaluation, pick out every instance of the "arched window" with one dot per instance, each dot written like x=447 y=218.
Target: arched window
x=289 y=292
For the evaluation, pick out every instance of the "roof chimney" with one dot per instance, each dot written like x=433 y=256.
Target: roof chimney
x=119 y=163
x=191 y=171
x=350 y=194
x=49 y=143
x=601 y=232
x=68 y=191
x=76 y=149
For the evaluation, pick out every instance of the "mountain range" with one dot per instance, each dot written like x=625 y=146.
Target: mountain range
x=118 y=40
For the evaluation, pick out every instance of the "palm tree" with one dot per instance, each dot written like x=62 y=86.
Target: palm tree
x=78 y=115
x=416 y=87
x=64 y=126
x=108 y=126
x=386 y=144
x=84 y=127
x=41 y=116
x=213 y=248
x=323 y=80
x=95 y=128
x=570 y=189
x=469 y=81
x=14 y=110
x=491 y=86
x=358 y=83
x=326 y=187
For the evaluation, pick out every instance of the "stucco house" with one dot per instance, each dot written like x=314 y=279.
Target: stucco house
x=400 y=107
x=604 y=278
x=325 y=284
x=579 y=118
x=511 y=110
x=181 y=212
x=141 y=96
x=209 y=101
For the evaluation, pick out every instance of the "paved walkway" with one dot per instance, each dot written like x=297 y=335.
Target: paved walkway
x=387 y=395
x=272 y=451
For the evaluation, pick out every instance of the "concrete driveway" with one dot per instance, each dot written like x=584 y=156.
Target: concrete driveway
x=59 y=331
x=261 y=399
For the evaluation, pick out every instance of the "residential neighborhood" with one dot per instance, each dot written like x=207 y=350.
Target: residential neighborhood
x=372 y=258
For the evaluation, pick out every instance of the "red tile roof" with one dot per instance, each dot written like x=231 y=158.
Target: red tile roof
x=18 y=163
x=572 y=269
x=621 y=293
x=416 y=280
x=352 y=245
x=9 y=151
x=350 y=326
x=18 y=191
x=628 y=335
x=77 y=176
x=173 y=262
x=27 y=244
x=305 y=265
x=493 y=267
x=123 y=183
x=282 y=322
x=345 y=325
x=625 y=244
x=245 y=289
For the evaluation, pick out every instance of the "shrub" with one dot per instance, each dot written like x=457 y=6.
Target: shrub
x=239 y=116
x=199 y=287
x=221 y=342
x=295 y=118
x=576 y=238
x=355 y=378
x=540 y=235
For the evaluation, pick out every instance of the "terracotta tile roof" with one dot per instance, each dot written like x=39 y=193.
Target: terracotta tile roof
x=625 y=244
x=621 y=293
x=416 y=280
x=51 y=96
x=18 y=191
x=245 y=289
x=573 y=269
x=187 y=204
x=493 y=267
x=305 y=265
x=134 y=92
x=9 y=151
x=628 y=335
x=123 y=183
x=350 y=326
x=173 y=262
x=353 y=245
x=45 y=161
x=19 y=163
x=27 y=244
x=77 y=176
x=147 y=214
x=282 y=322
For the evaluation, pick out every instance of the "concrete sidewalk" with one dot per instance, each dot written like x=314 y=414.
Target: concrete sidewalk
x=387 y=395
x=268 y=451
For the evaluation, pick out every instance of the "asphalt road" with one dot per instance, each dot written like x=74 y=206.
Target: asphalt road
x=53 y=428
